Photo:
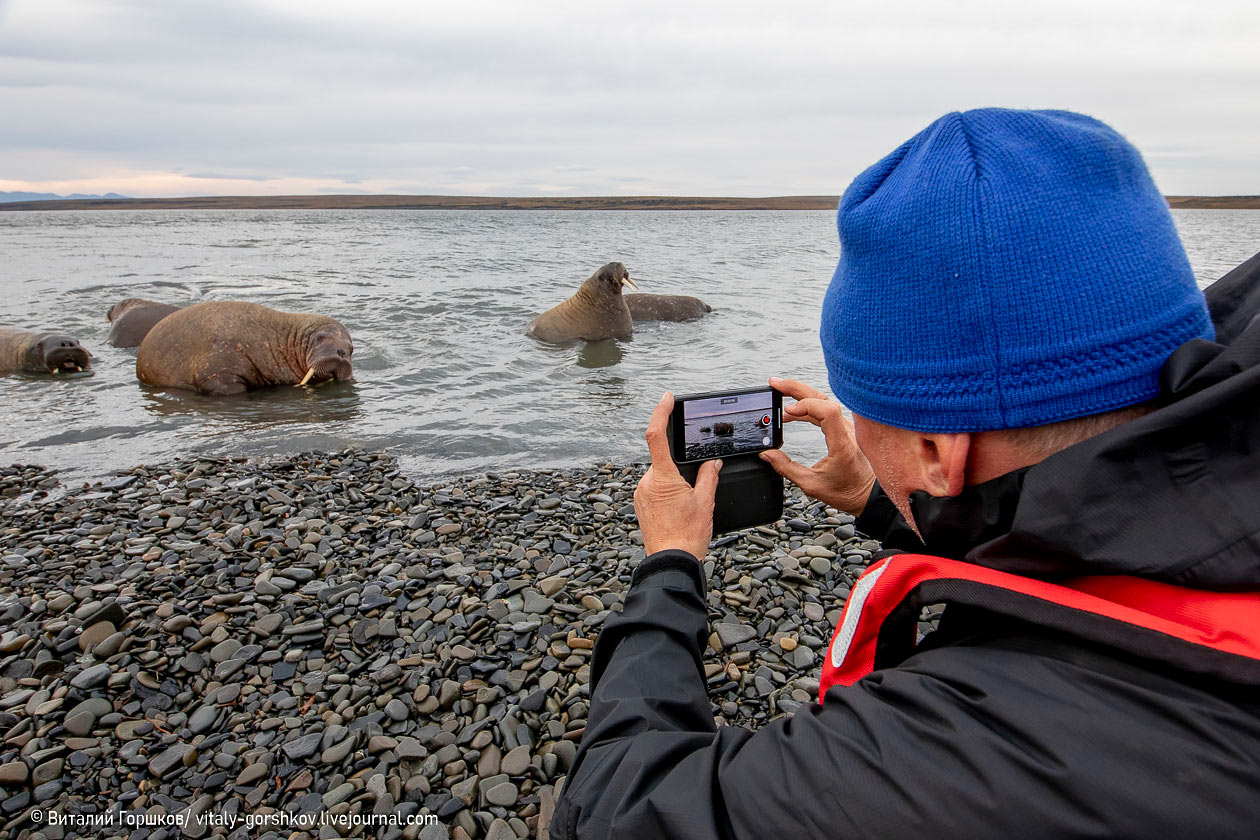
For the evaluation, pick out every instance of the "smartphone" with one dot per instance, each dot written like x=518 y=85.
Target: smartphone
x=720 y=424
x=733 y=426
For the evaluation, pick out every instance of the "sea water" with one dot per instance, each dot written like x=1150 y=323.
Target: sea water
x=437 y=302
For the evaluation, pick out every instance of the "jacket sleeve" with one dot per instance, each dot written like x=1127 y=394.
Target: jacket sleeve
x=652 y=763
x=880 y=520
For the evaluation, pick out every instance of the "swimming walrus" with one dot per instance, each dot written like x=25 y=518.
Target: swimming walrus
x=36 y=352
x=133 y=318
x=595 y=311
x=230 y=346
x=665 y=307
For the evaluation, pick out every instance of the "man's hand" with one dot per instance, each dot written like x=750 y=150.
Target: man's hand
x=843 y=478
x=672 y=513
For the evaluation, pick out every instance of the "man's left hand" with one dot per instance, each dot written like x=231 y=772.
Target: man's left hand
x=672 y=513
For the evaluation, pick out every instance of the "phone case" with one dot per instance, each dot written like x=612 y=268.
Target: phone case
x=749 y=492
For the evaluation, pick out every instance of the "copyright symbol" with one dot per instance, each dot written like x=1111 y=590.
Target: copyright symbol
x=37 y=815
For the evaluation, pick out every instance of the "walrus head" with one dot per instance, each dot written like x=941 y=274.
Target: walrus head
x=122 y=306
x=62 y=354
x=328 y=353
x=612 y=278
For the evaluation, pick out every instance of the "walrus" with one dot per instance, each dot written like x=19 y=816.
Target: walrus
x=230 y=346
x=36 y=352
x=594 y=312
x=666 y=307
x=133 y=318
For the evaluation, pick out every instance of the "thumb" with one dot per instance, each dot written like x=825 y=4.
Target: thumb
x=798 y=474
x=707 y=480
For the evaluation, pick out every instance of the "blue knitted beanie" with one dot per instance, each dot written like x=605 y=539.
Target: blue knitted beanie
x=1005 y=269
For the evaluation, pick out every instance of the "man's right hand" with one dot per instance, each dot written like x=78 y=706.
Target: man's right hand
x=843 y=478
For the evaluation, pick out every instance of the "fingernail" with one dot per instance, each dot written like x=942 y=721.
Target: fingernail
x=775 y=379
x=718 y=462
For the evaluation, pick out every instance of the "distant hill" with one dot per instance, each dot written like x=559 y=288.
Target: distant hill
x=30 y=196
x=1214 y=202
x=439 y=202
x=24 y=201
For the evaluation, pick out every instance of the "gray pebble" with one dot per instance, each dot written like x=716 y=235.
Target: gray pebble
x=503 y=794
x=733 y=634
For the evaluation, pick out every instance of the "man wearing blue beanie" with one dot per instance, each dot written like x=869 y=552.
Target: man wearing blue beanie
x=1057 y=437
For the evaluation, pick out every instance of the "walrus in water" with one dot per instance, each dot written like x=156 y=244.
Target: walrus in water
x=228 y=347
x=133 y=318
x=47 y=352
x=594 y=312
x=666 y=307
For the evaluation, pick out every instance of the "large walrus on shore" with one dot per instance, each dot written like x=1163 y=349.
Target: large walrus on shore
x=595 y=311
x=666 y=307
x=133 y=318
x=228 y=347
x=41 y=352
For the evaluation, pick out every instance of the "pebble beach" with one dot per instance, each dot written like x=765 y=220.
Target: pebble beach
x=317 y=646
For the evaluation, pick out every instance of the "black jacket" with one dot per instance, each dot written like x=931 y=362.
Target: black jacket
x=994 y=726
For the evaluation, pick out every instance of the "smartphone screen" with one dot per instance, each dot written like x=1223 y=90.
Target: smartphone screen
x=720 y=424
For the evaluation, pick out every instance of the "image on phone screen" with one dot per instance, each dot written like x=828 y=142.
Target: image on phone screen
x=731 y=424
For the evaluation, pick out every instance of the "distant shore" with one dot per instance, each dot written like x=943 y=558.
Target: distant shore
x=453 y=202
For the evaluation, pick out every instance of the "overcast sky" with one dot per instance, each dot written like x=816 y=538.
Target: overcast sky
x=236 y=97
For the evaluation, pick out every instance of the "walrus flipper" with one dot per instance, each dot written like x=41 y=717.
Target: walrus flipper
x=221 y=384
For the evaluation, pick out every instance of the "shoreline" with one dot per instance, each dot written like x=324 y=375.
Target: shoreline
x=447 y=202
x=317 y=635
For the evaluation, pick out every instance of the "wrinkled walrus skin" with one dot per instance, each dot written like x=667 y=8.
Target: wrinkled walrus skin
x=666 y=307
x=594 y=312
x=228 y=347
x=36 y=352
x=132 y=319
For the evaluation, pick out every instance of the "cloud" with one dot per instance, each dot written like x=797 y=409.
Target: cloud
x=731 y=98
x=213 y=176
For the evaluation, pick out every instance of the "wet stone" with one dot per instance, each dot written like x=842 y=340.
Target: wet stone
x=95 y=634
x=171 y=758
x=252 y=774
x=734 y=634
x=503 y=794
x=516 y=761
x=302 y=747
x=13 y=773
x=203 y=719
x=91 y=677
x=397 y=710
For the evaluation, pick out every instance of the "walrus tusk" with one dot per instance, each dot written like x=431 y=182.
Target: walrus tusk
x=307 y=378
x=630 y=283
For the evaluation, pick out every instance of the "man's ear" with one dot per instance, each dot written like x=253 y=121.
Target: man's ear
x=944 y=458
